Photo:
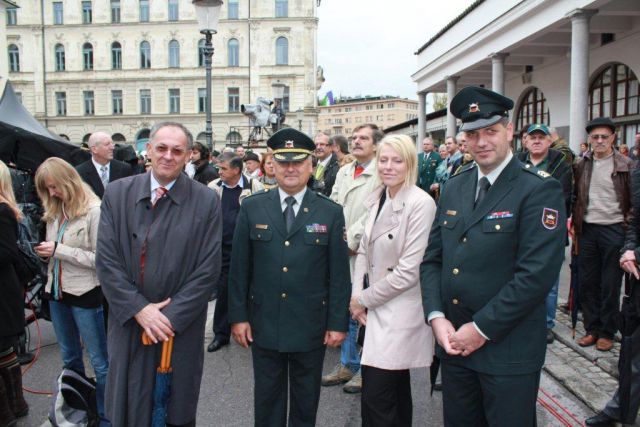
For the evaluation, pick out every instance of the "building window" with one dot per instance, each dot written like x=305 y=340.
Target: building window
x=533 y=109
x=87 y=56
x=87 y=12
x=282 y=51
x=234 y=99
x=614 y=93
x=285 y=99
x=116 y=102
x=233 y=9
x=174 y=101
x=201 y=55
x=174 y=11
x=12 y=16
x=61 y=103
x=115 y=11
x=116 y=56
x=144 y=10
x=89 y=103
x=174 y=54
x=19 y=96
x=14 y=58
x=145 y=101
x=233 y=49
x=282 y=8
x=60 y=60
x=202 y=100
x=145 y=55
x=58 y=13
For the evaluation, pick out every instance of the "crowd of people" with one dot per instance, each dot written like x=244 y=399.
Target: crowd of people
x=450 y=256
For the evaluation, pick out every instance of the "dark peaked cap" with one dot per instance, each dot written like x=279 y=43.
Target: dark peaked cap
x=601 y=122
x=290 y=145
x=479 y=108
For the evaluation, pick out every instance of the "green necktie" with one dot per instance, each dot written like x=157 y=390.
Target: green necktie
x=319 y=171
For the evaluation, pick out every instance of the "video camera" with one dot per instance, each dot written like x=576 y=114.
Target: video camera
x=260 y=112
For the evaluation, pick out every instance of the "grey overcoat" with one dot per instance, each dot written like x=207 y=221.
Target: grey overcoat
x=183 y=234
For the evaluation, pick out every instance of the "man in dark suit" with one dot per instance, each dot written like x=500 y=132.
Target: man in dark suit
x=102 y=168
x=495 y=251
x=428 y=162
x=289 y=285
x=328 y=166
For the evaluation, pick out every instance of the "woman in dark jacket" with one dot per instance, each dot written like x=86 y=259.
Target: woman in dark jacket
x=12 y=403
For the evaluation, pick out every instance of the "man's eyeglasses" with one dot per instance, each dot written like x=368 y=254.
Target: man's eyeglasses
x=597 y=137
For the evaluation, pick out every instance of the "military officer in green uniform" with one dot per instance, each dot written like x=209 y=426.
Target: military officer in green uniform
x=428 y=162
x=289 y=285
x=495 y=250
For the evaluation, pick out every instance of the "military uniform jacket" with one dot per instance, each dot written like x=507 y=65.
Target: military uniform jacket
x=427 y=169
x=291 y=287
x=496 y=264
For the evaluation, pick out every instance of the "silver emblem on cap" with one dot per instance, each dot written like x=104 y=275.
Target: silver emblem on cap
x=474 y=108
x=288 y=144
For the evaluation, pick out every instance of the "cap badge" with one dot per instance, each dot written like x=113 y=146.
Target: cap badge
x=474 y=108
x=288 y=144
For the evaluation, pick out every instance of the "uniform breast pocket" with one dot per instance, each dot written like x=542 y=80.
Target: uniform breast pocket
x=258 y=234
x=501 y=225
x=316 y=239
x=448 y=221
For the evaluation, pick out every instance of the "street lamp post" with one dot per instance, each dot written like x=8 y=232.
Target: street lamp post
x=300 y=116
x=208 y=14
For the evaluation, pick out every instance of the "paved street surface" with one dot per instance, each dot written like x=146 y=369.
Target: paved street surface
x=575 y=383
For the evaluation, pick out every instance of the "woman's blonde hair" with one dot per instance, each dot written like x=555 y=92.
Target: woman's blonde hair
x=6 y=191
x=406 y=149
x=76 y=195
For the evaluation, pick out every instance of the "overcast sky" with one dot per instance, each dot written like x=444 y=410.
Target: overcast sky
x=366 y=47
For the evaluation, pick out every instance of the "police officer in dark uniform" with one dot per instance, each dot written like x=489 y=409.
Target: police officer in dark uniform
x=495 y=251
x=289 y=285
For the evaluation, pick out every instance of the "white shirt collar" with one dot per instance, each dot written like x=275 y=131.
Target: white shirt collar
x=240 y=183
x=98 y=166
x=494 y=174
x=298 y=196
x=325 y=162
x=155 y=184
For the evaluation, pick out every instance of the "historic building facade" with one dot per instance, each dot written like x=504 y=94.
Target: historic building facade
x=384 y=111
x=122 y=65
x=563 y=62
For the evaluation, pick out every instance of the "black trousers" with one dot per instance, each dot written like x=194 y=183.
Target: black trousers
x=474 y=398
x=386 y=397
x=275 y=374
x=600 y=277
x=221 y=327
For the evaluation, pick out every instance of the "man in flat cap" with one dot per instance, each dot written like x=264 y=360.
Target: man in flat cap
x=601 y=214
x=289 y=285
x=495 y=251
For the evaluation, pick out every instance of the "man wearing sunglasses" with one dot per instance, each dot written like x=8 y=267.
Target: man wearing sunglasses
x=600 y=216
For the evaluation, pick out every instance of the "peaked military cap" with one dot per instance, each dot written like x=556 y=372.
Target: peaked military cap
x=601 y=122
x=479 y=108
x=290 y=145
x=538 y=127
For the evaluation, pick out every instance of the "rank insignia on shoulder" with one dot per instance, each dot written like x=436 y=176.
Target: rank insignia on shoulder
x=316 y=228
x=549 y=218
x=452 y=213
x=544 y=174
x=500 y=215
x=262 y=226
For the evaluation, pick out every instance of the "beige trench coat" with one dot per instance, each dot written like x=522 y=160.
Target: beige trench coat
x=390 y=251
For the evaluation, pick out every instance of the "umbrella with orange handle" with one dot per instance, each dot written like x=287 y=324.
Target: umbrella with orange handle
x=162 y=388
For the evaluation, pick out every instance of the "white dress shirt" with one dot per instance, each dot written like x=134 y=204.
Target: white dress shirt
x=298 y=196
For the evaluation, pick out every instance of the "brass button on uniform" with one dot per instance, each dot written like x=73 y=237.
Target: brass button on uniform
x=497 y=226
x=454 y=301
x=464 y=240
x=444 y=222
x=283 y=295
x=285 y=269
x=455 y=271
x=286 y=243
x=317 y=241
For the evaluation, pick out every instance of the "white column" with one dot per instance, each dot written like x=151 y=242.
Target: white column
x=422 y=118
x=497 y=72
x=579 y=86
x=451 y=92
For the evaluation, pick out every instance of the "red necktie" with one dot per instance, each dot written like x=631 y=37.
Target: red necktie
x=159 y=194
x=356 y=173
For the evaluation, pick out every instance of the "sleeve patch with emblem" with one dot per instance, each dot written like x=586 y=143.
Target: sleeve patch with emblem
x=549 y=218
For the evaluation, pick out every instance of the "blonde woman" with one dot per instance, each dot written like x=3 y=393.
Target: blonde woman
x=72 y=214
x=395 y=237
x=12 y=403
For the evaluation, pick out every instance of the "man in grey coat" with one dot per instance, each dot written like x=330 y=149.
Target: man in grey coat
x=158 y=257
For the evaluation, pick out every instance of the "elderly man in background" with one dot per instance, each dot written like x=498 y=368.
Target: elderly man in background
x=428 y=162
x=157 y=259
x=354 y=183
